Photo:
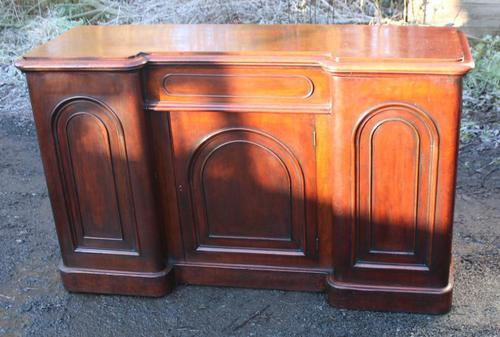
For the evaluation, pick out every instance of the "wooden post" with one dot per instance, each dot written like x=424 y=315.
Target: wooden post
x=475 y=17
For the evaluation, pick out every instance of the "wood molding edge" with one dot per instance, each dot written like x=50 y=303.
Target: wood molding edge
x=251 y=277
x=387 y=298
x=149 y=284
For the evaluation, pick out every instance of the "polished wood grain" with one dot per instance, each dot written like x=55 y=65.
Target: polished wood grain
x=296 y=157
x=244 y=182
x=89 y=138
x=342 y=48
x=395 y=142
x=247 y=88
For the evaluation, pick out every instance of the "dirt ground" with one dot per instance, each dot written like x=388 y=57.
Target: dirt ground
x=34 y=303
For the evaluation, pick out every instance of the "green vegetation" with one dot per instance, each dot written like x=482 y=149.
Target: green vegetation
x=481 y=115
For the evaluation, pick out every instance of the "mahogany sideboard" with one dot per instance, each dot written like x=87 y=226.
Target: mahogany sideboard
x=297 y=157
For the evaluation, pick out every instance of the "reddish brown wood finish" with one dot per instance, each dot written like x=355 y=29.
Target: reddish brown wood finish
x=288 y=157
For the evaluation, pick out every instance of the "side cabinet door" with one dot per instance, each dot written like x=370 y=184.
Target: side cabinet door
x=397 y=141
x=93 y=138
x=396 y=170
x=91 y=152
x=246 y=185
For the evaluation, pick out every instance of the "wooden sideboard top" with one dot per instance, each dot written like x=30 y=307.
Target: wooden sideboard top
x=337 y=48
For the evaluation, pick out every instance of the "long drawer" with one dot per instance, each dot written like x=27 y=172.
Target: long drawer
x=236 y=88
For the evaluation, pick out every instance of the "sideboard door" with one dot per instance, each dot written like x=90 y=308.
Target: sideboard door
x=93 y=133
x=397 y=140
x=246 y=186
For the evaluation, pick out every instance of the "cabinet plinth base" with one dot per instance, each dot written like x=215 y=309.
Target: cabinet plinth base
x=150 y=284
x=340 y=294
x=386 y=298
x=251 y=277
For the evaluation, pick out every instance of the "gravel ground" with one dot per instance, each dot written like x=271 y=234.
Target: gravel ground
x=34 y=303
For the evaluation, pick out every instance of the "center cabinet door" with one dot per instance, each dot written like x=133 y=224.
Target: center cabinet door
x=246 y=186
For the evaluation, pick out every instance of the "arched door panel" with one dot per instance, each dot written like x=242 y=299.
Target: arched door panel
x=243 y=188
x=396 y=156
x=93 y=161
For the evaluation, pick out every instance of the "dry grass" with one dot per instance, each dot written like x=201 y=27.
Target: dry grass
x=16 y=12
x=27 y=23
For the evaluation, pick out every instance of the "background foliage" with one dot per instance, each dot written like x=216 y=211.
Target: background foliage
x=25 y=24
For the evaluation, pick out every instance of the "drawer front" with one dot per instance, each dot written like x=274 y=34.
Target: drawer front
x=238 y=88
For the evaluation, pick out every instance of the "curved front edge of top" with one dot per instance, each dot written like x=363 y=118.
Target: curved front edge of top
x=36 y=64
x=326 y=61
x=459 y=67
x=329 y=64
x=335 y=48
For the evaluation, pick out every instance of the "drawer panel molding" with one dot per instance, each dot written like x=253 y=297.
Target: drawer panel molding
x=238 y=86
